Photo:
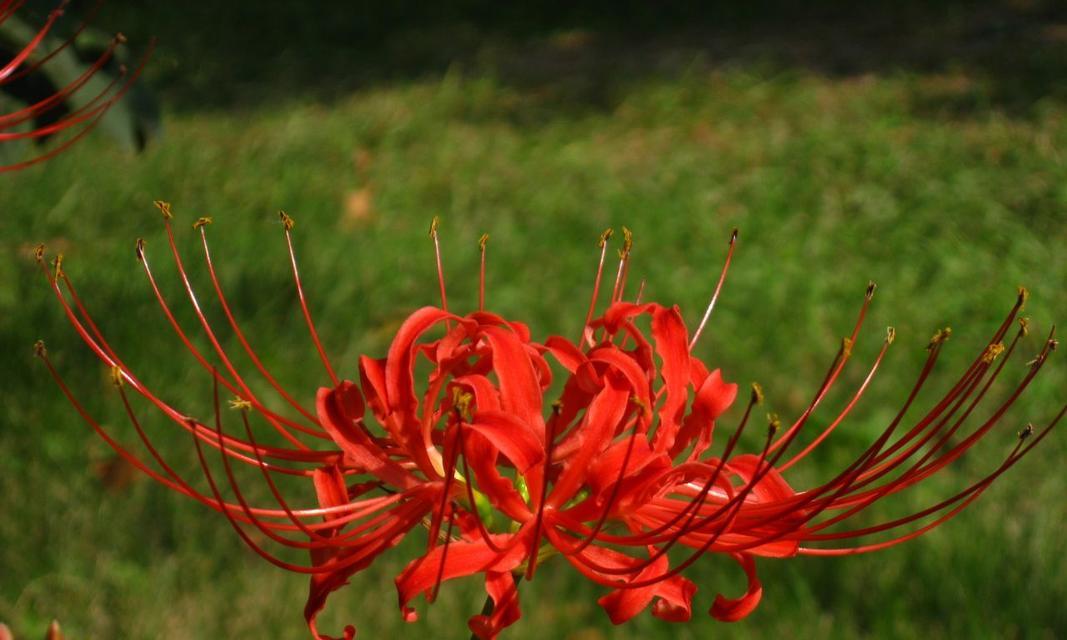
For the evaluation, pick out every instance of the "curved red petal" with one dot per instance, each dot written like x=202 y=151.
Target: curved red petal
x=337 y=412
x=511 y=436
x=732 y=610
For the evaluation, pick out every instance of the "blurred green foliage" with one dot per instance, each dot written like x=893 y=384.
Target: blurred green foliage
x=924 y=154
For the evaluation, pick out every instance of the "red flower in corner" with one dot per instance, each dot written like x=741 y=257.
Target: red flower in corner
x=454 y=431
x=55 y=114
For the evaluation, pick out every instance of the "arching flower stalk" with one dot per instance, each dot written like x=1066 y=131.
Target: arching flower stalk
x=617 y=473
x=71 y=111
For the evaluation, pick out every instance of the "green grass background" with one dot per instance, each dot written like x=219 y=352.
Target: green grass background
x=922 y=149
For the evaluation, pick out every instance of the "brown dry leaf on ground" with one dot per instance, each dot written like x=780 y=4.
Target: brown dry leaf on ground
x=358 y=208
x=116 y=474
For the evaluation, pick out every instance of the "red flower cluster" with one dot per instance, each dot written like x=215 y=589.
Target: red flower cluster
x=51 y=115
x=612 y=475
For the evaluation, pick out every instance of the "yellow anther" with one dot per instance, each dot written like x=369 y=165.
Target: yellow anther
x=164 y=208
x=39 y=349
x=645 y=409
x=773 y=423
x=462 y=400
x=484 y=240
x=287 y=221
x=202 y=222
x=846 y=347
x=57 y=265
x=627 y=243
x=434 y=224
x=116 y=376
x=757 y=393
x=1026 y=431
x=992 y=352
x=871 y=286
x=1024 y=326
x=605 y=236
x=38 y=253
x=241 y=404
x=939 y=337
x=890 y=335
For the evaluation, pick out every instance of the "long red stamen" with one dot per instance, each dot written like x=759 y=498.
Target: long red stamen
x=624 y=265
x=104 y=352
x=90 y=119
x=482 y=243
x=248 y=348
x=603 y=244
x=39 y=62
x=843 y=356
x=288 y=224
x=434 y=224
x=715 y=295
x=30 y=46
x=844 y=412
x=246 y=391
x=31 y=111
x=142 y=256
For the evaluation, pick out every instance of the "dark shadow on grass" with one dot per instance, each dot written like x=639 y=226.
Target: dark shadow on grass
x=579 y=55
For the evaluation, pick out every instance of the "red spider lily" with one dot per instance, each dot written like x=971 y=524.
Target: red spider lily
x=50 y=116
x=613 y=475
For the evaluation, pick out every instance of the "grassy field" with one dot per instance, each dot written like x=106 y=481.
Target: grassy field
x=945 y=182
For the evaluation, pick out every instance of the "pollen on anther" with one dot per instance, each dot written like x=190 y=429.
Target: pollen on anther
x=605 y=236
x=287 y=221
x=38 y=253
x=773 y=423
x=627 y=242
x=484 y=240
x=940 y=336
x=202 y=222
x=434 y=224
x=240 y=404
x=164 y=208
x=846 y=347
x=992 y=352
x=757 y=393
x=871 y=286
x=39 y=349
x=890 y=335
x=462 y=400
x=116 y=376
